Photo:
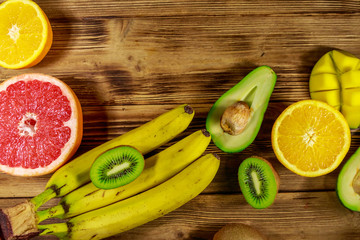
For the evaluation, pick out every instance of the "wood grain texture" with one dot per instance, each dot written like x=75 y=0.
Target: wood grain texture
x=303 y=215
x=293 y=216
x=130 y=61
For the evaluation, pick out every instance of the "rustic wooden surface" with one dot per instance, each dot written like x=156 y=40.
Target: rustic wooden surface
x=130 y=61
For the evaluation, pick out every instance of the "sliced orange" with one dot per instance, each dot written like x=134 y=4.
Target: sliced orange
x=311 y=138
x=25 y=34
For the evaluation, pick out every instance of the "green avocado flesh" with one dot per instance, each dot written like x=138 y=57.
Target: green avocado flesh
x=254 y=89
x=348 y=183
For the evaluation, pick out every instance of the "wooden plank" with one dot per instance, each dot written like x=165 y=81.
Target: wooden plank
x=302 y=215
x=292 y=216
x=188 y=8
x=129 y=61
x=179 y=45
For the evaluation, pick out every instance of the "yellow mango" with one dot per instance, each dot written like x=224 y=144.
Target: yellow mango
x=351 y=97
x=344 y=61
x=352 y=115
x=335 y=79
x=324 y=81
x=350 y=79
x=324 y=65
x=331 y=97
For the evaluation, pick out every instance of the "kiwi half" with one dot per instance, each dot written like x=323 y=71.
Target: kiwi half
x=117 y=167
x=259 y=182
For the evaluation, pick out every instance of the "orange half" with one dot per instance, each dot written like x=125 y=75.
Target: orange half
x=25 y=34
x=311 y=138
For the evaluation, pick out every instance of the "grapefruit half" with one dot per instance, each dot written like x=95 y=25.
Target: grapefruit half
x=40 y=124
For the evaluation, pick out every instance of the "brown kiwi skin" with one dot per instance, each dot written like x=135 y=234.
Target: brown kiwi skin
x=238 y=231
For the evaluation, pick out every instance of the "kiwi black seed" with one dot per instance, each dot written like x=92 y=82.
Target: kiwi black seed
x=259 y=182
x=117 y=167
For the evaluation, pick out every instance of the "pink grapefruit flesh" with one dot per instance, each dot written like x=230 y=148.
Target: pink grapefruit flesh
x=40 y=124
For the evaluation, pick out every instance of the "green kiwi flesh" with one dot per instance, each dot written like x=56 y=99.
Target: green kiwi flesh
x=116 y=167
x=259 y=182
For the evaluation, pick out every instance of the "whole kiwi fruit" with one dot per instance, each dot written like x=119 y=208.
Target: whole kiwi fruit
x=117 y=167
x=238 y=231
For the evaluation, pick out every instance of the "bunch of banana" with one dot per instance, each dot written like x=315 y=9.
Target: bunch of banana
x=170 y=178
x=158 y=168
x=145 y=138
x=22 y=219
x=141 y=208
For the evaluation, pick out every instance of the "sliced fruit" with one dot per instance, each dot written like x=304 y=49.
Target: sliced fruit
x=311 y=138
x=238 y=231
x=40 y=124
x=335 y=79
x=25 y=34
x=348 y=183
x=117 y=167
x=259 y=182
x=235 y=119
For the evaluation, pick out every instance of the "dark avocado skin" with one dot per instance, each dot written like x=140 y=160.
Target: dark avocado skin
x=255 y=89
x=344 y=190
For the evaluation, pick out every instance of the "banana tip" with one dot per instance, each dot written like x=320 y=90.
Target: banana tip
x=215 y=155
x=188 y=109
x=205 y=132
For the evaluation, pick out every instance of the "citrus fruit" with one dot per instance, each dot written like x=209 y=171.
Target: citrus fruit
x=25 y=34
x=311 y=138
x=335 y=79
x=40 y=124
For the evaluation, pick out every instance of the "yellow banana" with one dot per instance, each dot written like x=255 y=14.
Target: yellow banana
x=158 y=168
x=145 y=138
x=141 y=208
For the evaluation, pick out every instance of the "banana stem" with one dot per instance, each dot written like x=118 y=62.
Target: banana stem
x=43 y=197
x=59 y=230
x=53 y=212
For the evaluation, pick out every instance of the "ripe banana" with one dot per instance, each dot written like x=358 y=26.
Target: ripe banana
x=141 y=208
x=145 y=138
x=158 y=168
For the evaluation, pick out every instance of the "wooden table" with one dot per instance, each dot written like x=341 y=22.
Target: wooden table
x=130 y=61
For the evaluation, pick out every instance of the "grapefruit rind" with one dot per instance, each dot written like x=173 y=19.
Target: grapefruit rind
x=74 y=123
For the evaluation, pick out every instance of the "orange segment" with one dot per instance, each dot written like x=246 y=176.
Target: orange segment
x=311 y=138
x=25 y=34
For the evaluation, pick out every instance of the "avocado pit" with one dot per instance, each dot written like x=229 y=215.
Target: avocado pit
x=235 y=118
x=356 y=183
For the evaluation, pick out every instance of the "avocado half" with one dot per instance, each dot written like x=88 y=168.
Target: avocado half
x=348 y=183
x=255 y=90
